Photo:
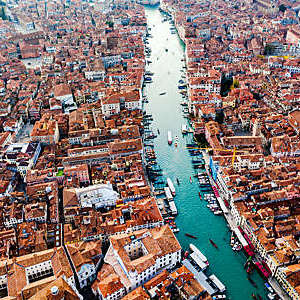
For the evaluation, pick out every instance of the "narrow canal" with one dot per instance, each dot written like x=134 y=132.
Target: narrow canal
x=193 y=215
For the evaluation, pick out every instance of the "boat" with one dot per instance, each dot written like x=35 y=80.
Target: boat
x=171 y=186
x=163 y=93
x=158 y=131
x=269 y=288
x=166 y=49
x=213 y=243
x=186 y=254
x=183 y=128
x=177 y=181
x=170 y=138
x=191 y=236
x=149 y=73
x=232 y=240
x=191 y=179
x=173 y=208
x=271 y=296
x=175 y=144
x=200 y=196
x=199 y=254
x=218 y=297
x=252 y=282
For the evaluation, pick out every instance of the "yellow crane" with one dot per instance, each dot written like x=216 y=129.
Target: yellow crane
x=227 y=150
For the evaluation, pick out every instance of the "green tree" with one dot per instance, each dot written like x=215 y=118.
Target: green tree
x=3 y=14
x=269 y=49
x=282 y=8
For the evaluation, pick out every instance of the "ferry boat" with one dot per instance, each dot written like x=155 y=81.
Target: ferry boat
x=171 y=186
x=183 y=128
x=170 y=138
x=199 y=254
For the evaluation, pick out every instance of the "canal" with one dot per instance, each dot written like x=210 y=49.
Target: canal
x=193 y=215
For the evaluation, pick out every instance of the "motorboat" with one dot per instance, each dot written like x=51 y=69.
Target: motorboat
x=170 y=140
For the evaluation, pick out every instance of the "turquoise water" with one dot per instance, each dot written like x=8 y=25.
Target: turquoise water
x=194 y=217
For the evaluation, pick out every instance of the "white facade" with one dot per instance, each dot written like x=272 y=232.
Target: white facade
x=109 y=109
x=95 y=75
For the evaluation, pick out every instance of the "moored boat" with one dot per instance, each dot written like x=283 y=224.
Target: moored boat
x=171 y=186
x=199 y=254
x=183 y=128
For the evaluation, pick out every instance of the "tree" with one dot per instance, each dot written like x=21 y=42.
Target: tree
x=282 y=8
x=110 y=24
x=2 y=13
x=269 y=49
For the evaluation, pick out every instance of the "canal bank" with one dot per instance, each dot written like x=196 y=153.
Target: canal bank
x=194 y=217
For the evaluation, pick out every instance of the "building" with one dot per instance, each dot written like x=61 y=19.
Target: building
x=45 y=131
x=22 y=157
x=139 y=256
x=99 y=195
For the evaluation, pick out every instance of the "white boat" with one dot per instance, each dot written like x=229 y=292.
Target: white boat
x=218 y=283
x=183 y=128
x=199 y=254
x=170 y=137
x=168 y=194
x=173 y=208
x=171 y=186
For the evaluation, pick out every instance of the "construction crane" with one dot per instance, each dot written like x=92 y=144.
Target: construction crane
x=227 y=150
